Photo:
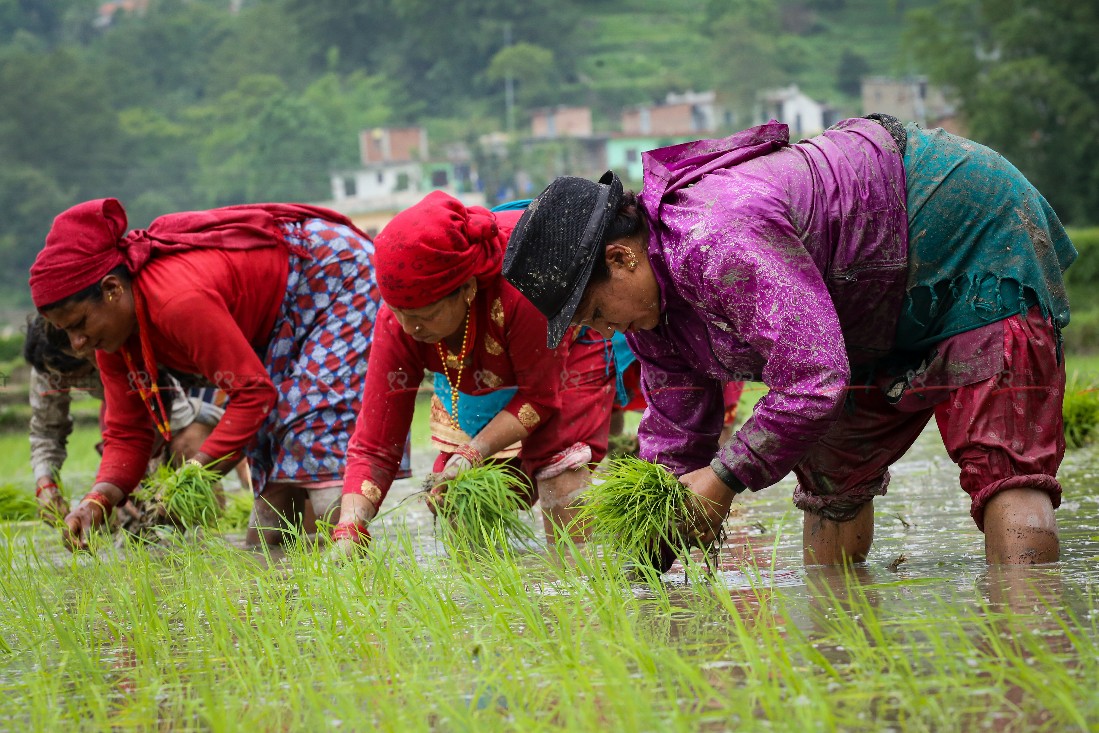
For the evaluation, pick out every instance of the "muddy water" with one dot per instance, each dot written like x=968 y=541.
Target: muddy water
x=926 y=547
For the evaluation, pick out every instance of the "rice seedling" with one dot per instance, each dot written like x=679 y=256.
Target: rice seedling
x=185 y=497
x=635 y=507
x=16 y=504
x=238 y=509
x=483 y=508
x=1081 y=412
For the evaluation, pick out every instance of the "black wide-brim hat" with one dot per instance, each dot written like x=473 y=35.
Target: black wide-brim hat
x=552 y=250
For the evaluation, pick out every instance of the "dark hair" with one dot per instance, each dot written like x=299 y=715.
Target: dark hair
x=92 y=292
x=629 y=220
x=46 y=348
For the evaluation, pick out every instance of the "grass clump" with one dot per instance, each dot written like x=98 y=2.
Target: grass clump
x=16 y=505
x=482 y=508
x=187 y=496
x=238 y=509
x=1081 y=412
x=636 y=506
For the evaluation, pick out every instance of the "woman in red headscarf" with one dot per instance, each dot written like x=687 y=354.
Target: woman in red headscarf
x=499 y=391
x=273 y=303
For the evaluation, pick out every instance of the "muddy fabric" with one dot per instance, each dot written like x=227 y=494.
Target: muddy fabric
x=798 y=265
x=983 y=243
x=1004 y=431
x=51 y=423
x=777 y=263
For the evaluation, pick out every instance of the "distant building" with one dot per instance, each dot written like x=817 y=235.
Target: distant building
x=804 y=115
x=912 y=99
x=557 y=122
x=105 y=13
x=397 y=172
x=691 y=114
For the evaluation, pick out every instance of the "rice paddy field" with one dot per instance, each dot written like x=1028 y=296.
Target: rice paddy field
x=198 y=634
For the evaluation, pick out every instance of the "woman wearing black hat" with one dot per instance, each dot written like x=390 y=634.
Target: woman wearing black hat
x=873 y=277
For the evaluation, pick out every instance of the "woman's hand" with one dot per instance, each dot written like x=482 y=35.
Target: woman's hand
x=92 y=512
x=51 y=505
x=79 y=524
x=454 y=466
x=715 y=499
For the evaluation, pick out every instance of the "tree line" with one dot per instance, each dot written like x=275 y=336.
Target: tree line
x=198 y=103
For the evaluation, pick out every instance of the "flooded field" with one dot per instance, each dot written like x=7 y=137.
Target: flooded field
x=200 y=635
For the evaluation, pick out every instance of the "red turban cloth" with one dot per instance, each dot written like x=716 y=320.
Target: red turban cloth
x=89 y=240
x=428 y=250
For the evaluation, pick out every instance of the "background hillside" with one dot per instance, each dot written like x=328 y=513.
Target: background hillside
x=183 y=104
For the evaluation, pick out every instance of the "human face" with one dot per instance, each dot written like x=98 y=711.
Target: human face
x=627 y=301
x=443 y=318
x=102 y=324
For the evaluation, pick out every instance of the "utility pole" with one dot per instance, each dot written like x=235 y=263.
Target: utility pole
x=509 y=88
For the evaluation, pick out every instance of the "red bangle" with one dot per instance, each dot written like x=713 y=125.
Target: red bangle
x=353 y=531
x=470 y=453
x=101 y=500
x=48 y=485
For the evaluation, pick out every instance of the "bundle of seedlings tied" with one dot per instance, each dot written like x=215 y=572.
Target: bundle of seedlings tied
x=638 y=509
x=182 y=498
x=483 y=509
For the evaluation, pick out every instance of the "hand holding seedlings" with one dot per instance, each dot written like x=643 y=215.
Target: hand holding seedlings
x=455 y=465
x=703 y=523
x=90 y=514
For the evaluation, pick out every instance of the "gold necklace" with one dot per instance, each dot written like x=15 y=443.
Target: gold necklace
x=461 y=365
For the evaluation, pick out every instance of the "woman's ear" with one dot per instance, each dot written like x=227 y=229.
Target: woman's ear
x=113 y=288
x=620 y=254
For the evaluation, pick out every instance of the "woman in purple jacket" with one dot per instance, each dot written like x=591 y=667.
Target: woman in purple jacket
x=872 y=277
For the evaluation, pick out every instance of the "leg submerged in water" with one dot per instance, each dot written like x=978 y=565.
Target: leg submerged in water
x=827 y=542
x=1020 y=528
x=560 y=497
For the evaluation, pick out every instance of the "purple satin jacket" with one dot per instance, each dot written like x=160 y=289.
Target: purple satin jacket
x=778 y=263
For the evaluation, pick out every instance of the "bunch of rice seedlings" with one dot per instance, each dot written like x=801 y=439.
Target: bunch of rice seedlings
x=16 y=504
x=186 y=496
x=1081 y=412
x=634 y=507
x=238 y=509
x=482 y=508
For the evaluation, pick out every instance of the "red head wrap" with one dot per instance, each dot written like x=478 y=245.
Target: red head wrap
x=82 y=247
x=428 y=250
x=89 y=240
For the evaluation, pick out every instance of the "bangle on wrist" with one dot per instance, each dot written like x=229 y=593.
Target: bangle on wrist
x=101 y=500
x=727 y=477
x=470 y=453
x=39 y=488
x=354 y=531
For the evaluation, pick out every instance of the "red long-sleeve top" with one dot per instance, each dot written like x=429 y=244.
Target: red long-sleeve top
x=509 y=350
x=210 y=312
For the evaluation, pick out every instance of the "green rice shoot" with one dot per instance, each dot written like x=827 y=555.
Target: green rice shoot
x=237 y=511
x=483 y=508
x=635 y=506
x=1081 y=412
x=187 y=496
x=16 y=504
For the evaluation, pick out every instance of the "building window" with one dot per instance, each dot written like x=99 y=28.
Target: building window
x=439 y=179
x=402 y=182
x=381 y=177
x=631 y=155
x=349 y=187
